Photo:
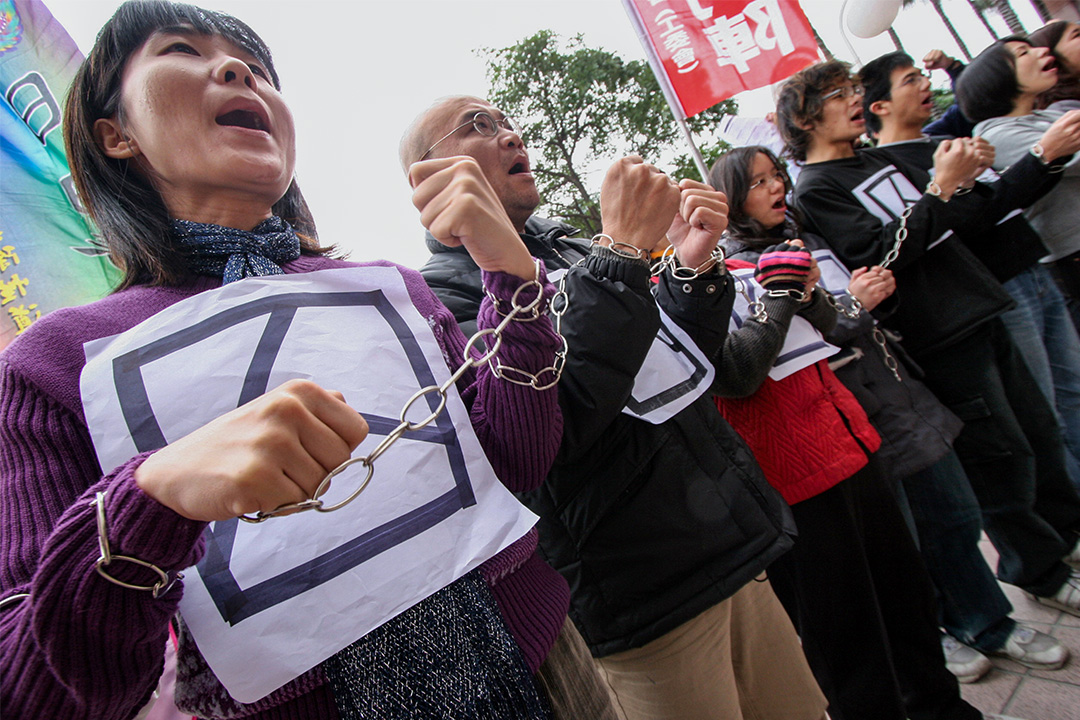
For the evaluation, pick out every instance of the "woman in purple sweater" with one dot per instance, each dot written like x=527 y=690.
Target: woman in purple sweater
x=183 y=152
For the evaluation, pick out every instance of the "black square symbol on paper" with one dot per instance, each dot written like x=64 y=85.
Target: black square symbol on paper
x=234 y=603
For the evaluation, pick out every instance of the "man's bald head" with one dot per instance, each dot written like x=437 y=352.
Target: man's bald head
x=428 y=127
x=451 y=122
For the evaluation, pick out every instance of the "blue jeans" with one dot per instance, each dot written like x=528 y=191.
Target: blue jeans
x=973 y=608
x=1047 y=339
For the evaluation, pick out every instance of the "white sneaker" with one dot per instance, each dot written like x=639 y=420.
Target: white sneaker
x=1073 y=558
x=966 y=663
x=1067 y=598
x=1032 y=648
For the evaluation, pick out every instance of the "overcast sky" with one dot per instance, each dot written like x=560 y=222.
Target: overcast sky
x=356 y=73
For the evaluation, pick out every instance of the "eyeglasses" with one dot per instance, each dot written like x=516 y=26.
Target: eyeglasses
x=843 y=92
x=484 y=124
x=775 y=175
x=914 y=78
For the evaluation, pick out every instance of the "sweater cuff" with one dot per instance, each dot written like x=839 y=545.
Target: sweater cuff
x=140 y=527
x=781 y=309
x=503 y=286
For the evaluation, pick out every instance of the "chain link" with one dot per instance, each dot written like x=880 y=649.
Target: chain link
x=622 y=249
x=12 y=599
x=542 y=380
x=854 y=312
x=890 y=361
x=157 y=589
x=756 y=308
x=668 y=261
x=901 y=236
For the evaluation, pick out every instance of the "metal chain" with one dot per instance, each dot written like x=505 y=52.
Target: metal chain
x=157 y=589
x=856 y=306
x=489 y=354
x=668 y=261
x=12 y=599
x=756 y=307
x=901 y=236
x=890 y=361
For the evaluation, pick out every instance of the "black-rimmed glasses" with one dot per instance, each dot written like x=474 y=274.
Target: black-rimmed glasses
x=485 y=124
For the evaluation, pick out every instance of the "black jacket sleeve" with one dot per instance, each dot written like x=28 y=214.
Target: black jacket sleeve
x=1021 y=185
x=750 y=352
x=609 y=325
x=701 y=307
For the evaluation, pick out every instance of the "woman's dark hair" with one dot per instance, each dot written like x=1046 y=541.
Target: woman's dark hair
x=127 y=209
x=800 y=101
x=1067 y=86
x=988 y=87
x=732 y=174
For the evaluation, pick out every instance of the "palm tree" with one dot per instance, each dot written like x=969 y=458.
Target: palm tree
x=1044 y=13
x=821 y=44
x=979 y=6
x=948 y=26
x=951 y=29
x=1005 y=10
x=896 y=40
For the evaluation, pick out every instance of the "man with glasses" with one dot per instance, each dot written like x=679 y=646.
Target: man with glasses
x=974 y=610
x=878 y=208
x=656 y=513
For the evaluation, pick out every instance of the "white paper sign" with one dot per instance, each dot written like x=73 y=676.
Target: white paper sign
x=674 y=374
x=804 y=345
x=271 y=601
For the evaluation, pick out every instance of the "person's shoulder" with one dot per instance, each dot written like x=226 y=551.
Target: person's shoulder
x=1001 y=126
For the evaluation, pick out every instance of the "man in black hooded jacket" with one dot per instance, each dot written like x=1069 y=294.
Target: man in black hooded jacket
x=660 y=525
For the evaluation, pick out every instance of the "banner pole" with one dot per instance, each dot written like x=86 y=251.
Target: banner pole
x=698 y=159
x=665 y=85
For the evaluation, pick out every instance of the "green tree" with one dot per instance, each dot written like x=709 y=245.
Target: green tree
x=579 y=107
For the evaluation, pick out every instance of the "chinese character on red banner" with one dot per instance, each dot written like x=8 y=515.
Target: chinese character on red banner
x=705 y=51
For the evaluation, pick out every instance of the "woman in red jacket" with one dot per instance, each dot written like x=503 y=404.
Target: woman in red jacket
x=854 y=584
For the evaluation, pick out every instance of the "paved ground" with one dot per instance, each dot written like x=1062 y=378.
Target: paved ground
x=1014 y=690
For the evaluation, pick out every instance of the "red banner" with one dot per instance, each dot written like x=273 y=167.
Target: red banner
x=705 y=51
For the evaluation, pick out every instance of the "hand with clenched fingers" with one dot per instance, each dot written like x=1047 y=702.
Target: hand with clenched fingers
x=459 y=207
x=701 y=219
x=637 y=203
x=271 y=451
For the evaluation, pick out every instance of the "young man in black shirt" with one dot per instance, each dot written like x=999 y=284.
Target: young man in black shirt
x=875 y=209
x=897 y=106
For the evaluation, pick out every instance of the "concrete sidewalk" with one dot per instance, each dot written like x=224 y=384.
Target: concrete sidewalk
x=1014 y=690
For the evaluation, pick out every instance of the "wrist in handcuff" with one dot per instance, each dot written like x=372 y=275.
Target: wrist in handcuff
x=1055 y=166
x=625 y=250
x=798 y=294
x=509 y=291
x=935 y=190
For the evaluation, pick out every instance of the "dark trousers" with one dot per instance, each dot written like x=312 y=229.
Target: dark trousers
x=973 y=608
x=859 y=595
x=1012 y=450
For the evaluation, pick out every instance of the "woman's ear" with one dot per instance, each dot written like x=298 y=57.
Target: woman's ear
x=114 y=143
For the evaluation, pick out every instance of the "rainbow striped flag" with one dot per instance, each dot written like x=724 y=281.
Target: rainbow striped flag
x=48 y=258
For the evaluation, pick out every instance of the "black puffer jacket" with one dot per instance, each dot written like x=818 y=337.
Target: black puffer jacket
x=650 y=524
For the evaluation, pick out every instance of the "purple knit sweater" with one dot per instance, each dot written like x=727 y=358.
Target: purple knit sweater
x=82 y=647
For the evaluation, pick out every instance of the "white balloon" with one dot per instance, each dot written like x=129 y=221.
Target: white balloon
x=867 y=18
